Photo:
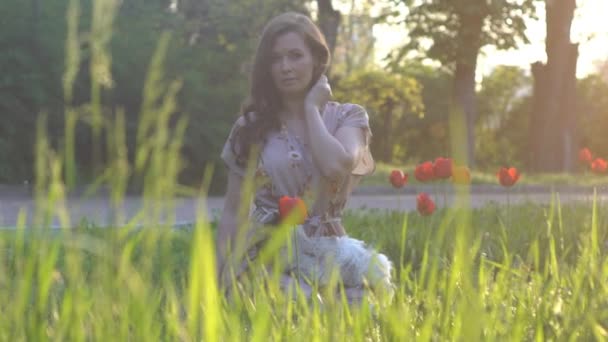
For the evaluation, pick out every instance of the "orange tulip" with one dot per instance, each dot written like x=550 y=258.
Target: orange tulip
x=461 y=175
x=508 y=176
x=292 y=208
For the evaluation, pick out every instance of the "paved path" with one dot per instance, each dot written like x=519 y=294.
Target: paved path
x=97 y=210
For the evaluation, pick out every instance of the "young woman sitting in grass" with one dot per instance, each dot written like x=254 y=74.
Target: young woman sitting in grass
x=308 y=147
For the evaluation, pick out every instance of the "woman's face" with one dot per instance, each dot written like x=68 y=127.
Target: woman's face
x=292 y=65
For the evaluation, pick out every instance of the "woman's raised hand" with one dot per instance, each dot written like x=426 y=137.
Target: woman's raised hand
x=319 y=94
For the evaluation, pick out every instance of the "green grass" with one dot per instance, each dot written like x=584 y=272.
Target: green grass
x=523 y=273
x=587 y=179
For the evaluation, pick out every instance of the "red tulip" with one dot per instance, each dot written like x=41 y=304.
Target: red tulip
x=424 y=172
x=293 y=208
x=461 y=175
x=425 y=204
x=442 y=168
x=398 y=179
x=508 y=176
x=599 y=165
x=585 y=156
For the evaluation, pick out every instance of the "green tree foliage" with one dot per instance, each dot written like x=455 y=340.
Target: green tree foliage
x=428 y=136
x=31 y=61
x=457 y=29
x=211 y=44
x=592 y=107
x=391 y=101
x=502 y=125
x=453 y=33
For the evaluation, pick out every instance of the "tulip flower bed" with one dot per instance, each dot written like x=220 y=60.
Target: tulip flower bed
x=527 y=272
x=583 y=177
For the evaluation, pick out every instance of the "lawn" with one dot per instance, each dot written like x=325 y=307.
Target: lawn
x=525 y=272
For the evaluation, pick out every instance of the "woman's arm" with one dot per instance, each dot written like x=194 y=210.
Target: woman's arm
x=235 y=207
x=336 y=155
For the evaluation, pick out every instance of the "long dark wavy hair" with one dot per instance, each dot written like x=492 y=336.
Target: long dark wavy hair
x=260 y=110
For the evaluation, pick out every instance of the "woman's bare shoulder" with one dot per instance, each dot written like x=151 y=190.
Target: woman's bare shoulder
x=348 y=107
x=343 y=107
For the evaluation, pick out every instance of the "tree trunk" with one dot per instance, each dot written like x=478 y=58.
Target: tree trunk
x=553 y=132
x=329 y=21
x=35 y=19
x=465 y=101
x=569 y=115
x=464 y=94
x=536 y=119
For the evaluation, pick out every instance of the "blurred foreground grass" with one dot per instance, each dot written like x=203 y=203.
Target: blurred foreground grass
x=528 y=272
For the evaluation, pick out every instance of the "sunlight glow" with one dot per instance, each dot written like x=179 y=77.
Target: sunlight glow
x=589 y=29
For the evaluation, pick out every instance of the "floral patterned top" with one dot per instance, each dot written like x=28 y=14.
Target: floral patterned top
x=285 y=167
